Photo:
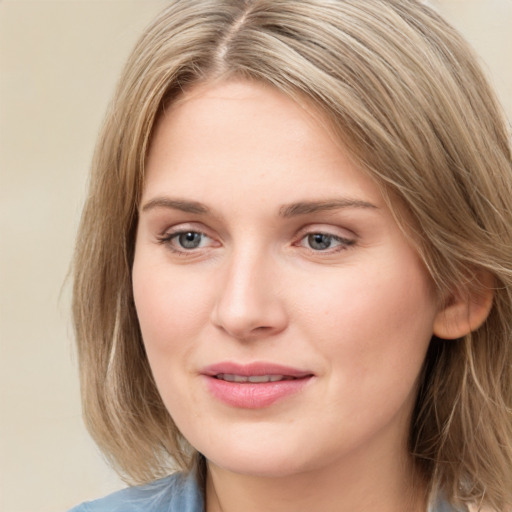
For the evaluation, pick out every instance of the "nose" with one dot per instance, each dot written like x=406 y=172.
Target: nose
x=249 y=304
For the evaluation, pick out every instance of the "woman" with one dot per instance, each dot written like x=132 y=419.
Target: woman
x=292 y=276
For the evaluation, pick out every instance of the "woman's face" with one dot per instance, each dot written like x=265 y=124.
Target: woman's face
x=284 y=314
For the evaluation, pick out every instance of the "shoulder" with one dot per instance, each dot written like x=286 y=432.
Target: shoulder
x=175 y=493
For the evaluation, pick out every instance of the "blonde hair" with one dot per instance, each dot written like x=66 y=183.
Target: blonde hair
x=407 y=98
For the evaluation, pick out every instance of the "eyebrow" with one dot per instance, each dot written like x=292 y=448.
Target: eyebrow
x=308 y=207
x=286 y=211
x=176 y=204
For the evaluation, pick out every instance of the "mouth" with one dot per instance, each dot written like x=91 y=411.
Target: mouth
x=256 y=385
x=257 y=372
x=253 y=379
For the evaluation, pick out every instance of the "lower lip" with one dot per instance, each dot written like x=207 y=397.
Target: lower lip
x=247 y=395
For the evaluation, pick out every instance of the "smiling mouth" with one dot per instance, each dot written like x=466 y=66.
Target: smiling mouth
x=254 y=387
x=253 y=379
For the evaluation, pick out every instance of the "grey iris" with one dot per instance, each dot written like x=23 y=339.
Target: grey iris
x=190 y=240
x=319 y=241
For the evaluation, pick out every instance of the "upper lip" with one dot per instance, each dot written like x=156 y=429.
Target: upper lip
x=253 y=369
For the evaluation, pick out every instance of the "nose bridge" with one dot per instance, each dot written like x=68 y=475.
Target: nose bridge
x=247 y=303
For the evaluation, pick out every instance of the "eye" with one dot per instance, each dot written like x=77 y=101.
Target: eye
x=324 y=242
x=189 y=240
x=186 y=240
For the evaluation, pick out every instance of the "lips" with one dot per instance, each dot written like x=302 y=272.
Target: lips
x=255 y=385
x=252 y=378
x=254 y=369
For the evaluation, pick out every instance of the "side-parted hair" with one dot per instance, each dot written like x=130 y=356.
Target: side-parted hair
x=408 y=100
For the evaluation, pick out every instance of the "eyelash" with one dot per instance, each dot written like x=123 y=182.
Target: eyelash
x=344 y=243
x=167 y=239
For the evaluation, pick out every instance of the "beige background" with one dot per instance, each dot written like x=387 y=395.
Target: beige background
x=59 y=61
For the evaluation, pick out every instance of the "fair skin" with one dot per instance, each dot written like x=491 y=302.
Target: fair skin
x=261 y=242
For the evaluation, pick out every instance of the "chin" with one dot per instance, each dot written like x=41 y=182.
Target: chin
x=264 y=460
x=261 y=467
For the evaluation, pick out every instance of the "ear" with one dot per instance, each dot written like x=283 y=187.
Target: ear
x=466 y=309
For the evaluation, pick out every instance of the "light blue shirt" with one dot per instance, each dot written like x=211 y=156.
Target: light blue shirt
x=175 y=493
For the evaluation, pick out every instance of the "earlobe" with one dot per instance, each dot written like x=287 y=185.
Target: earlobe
x=465 y=310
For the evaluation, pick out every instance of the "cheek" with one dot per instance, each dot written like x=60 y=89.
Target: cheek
x=172 y=307
x=379 y=319
x=358 y=300
x=373 y=330
x=171 y=314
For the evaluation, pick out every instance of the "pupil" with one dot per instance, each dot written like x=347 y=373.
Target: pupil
x=190 y=240
x=319 y=241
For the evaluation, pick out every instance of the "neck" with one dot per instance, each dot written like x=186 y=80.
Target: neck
x=351 y=486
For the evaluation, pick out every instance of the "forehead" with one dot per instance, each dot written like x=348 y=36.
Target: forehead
x=252 y=140
x=239 y=109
